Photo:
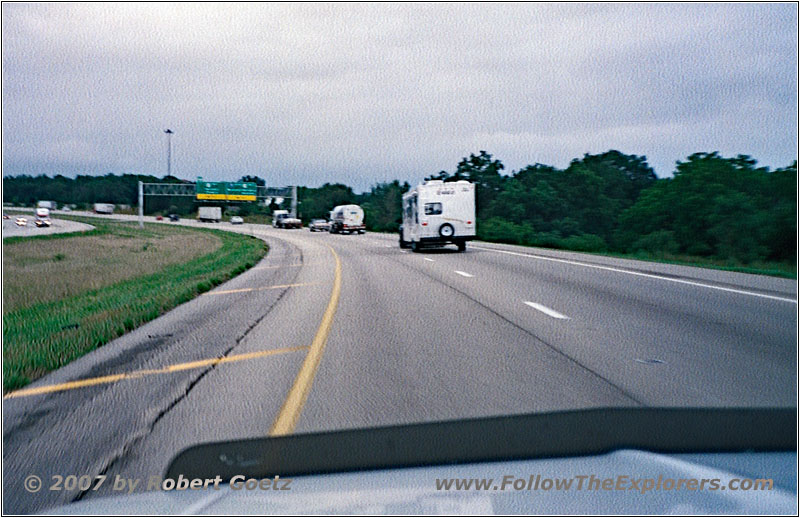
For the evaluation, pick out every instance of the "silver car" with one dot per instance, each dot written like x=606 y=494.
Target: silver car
x=319 y=225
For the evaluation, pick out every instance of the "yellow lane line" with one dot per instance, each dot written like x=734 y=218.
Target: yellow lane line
x=71 y=385
x=290 y=411
x=276 y=287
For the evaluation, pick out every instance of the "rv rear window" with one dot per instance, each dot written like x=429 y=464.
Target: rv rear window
x=432 y=209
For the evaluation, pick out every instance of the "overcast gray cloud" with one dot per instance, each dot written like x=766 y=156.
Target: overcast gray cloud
x=316 y=93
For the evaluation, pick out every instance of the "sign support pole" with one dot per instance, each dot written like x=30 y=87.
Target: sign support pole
x=141 y=204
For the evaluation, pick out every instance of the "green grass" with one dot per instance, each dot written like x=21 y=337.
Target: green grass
x=43 y=270
x=582 y=244
x=786 y=270
x=774 y=269
x=259 y=219
x=43 y=336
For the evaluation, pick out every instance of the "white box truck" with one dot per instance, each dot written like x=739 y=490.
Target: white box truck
x=51 y=205
x=212 y=214
x=437 y=213
x=347 y=219
x=277 y=215
x=104 y=208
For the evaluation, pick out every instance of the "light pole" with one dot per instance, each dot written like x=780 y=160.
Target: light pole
x=169 y=151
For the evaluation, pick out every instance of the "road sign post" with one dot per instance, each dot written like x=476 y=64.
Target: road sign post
x=141 y=204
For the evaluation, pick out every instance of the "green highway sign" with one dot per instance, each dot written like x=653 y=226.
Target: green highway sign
x=210 y=190
x=232 y=191
x=241 y=191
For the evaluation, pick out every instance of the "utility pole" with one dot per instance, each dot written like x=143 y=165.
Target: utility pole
x=169 y=133
x=294 y=201
x=141 y=205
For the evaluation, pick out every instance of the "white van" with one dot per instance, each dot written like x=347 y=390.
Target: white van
x=436 y=213
x=347 y=218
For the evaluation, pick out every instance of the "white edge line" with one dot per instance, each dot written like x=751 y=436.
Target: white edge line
x=547 y=311
x=464 y=274
x=427 y=259
x=609 y=268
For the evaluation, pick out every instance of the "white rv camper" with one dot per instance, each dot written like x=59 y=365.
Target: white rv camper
x=436 y=213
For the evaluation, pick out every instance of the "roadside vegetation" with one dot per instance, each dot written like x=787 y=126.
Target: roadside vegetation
x=65 y=296
x=713 y=211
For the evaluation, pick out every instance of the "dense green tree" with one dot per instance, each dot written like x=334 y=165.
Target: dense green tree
x=780 y=222
x=722 y=207
x=254 y=179
x=484 y=172
x=317 y=202
x=382 y=206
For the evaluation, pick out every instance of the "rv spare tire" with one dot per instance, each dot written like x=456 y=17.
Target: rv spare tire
x=446 y=230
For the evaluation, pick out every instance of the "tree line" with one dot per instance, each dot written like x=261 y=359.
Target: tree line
x=85 y=190
x=713 y=206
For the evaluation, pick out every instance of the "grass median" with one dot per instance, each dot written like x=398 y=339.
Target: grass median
x=64 y=296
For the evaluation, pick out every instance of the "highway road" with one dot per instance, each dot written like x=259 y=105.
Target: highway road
x=59 y=226
x=336 y=331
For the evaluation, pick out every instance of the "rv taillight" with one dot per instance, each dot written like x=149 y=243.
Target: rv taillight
x=469 y=223
x=424 y=224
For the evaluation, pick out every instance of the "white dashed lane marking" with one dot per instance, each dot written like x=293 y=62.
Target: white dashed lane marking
x=547 y=311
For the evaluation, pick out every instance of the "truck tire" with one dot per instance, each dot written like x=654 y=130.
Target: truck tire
x=415 y=246
x=446 y=231
x=403 y=244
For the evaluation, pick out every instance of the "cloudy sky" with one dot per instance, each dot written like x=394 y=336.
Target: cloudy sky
x=314 y=93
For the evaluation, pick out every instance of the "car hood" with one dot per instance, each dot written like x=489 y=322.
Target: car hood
x=414 y=490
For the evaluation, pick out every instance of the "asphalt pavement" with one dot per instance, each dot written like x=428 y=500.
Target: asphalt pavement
x=342 y=331
x=58 y=226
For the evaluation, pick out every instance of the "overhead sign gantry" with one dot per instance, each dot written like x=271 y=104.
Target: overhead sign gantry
x=215 y=191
